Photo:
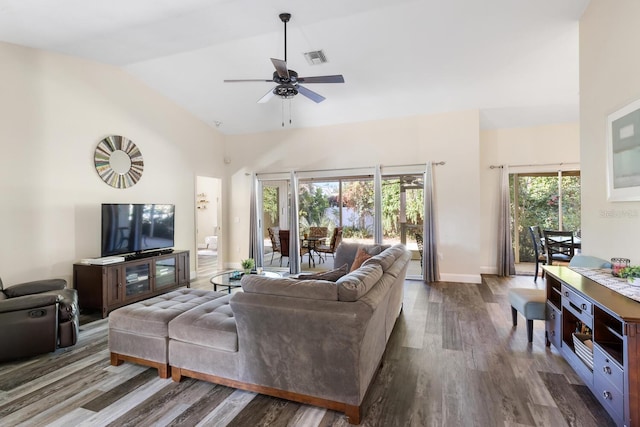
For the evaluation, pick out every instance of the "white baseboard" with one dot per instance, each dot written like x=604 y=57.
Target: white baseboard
x=488 y=270
x=461 y=278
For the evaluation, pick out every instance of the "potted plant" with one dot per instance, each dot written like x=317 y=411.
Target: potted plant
x=247 y=265
x=632 y=274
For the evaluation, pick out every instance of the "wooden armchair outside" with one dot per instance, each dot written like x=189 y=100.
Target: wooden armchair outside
x=284 y=246
x=318 y=231
x=336 y=238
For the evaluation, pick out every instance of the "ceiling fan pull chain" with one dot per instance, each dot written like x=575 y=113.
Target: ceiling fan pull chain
x=283 y=113
x=289 y=111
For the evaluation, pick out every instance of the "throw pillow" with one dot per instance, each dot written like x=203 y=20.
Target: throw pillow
x=331 y=275
x=361 y=256
x=2 y=295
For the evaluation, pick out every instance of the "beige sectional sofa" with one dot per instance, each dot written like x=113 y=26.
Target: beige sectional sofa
x=311 y=341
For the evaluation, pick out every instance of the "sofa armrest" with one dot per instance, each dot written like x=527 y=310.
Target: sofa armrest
x=35 y=287
x=27 y=302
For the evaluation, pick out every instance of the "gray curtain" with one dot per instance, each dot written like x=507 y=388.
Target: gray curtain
x=255 y=229
x=377 y=223
x=430 y=270
x=506 y=264
x=294 y=227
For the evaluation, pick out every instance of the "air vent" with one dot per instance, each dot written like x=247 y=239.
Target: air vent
x=315 y=57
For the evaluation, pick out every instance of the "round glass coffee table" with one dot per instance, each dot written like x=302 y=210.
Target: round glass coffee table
x=226 y=280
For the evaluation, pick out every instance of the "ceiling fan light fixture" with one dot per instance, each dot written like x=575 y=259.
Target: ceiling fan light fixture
x=285 y=91
x=316 y=57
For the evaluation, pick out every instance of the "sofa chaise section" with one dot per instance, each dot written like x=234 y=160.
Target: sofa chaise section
x=310 y=341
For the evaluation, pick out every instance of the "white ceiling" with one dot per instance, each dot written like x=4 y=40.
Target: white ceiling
x=515 y=61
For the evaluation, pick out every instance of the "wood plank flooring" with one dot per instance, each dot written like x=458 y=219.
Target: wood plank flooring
x=453 y=360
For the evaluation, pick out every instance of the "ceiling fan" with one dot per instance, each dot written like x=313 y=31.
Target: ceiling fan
x=288 y=82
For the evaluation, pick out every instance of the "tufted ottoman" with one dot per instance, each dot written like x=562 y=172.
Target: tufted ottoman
x=205 y=338
x=139 y=332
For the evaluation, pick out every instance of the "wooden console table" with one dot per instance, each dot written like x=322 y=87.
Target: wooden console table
x=107 y=287
x=612 y=321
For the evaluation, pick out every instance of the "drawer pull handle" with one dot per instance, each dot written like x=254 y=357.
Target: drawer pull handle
x=606 y=395
x=566 y=294
x=553 y=316
x=584 y=306
x=606 y=370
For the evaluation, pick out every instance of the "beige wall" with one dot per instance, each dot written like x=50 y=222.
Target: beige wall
x=609 y=79
x=54 y=110
x=538 y=145
x=452 y=137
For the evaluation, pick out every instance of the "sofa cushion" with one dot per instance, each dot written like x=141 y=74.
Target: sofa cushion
x=210 y=325
x=331 y=275
x=386 y=258
x=151 y=316
x=289 y=287
x=2 y=295
x=357 y=283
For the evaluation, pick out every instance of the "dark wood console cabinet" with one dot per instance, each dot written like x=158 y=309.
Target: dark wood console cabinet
x=107 y=287
x=612 y=322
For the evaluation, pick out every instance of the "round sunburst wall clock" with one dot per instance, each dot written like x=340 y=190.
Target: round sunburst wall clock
x=118 y=161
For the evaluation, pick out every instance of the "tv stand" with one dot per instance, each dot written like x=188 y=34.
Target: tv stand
x=147 y=274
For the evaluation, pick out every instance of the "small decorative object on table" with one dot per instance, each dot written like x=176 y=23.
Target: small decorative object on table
x=632 y=274
x=618 y=264
x=247 y=265
x=235 y=275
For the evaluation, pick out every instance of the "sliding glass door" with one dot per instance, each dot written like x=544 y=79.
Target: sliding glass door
x=275 y=217
x=327 y=202
x=402 y=216
x=549 y=200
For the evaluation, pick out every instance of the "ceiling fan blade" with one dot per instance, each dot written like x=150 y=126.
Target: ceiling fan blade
x=247 y=80
x=267 y=96
x=281 y=68
x=315 y=97
x=322 y=79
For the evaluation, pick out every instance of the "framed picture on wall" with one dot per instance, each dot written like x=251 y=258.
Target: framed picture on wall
x=623 y=154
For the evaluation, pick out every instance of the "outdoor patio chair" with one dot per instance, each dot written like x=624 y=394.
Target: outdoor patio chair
x=284 y=247
x=336 y=238
x=275 y=241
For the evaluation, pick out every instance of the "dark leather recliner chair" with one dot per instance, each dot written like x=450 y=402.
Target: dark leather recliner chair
x=37 y=317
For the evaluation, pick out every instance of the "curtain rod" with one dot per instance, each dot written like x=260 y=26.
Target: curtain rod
x=532 y=164
x=440 y=163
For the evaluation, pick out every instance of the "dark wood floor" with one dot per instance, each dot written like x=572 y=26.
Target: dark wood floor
x=453 y=360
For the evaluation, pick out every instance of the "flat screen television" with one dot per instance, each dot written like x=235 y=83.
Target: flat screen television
x=135 y=228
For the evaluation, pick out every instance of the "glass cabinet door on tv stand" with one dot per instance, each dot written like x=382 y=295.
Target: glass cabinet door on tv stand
x=137 y=278
x=166 y=272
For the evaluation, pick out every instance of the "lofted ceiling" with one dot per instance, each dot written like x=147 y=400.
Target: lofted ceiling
x=515 y=61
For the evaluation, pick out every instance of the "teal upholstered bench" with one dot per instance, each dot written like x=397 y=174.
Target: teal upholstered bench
x=531 y=303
